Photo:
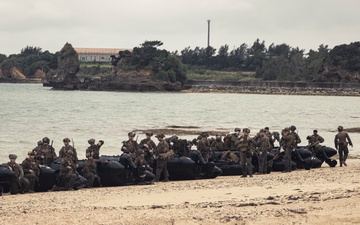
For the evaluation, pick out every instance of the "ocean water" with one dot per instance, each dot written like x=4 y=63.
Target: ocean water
x=30 y=112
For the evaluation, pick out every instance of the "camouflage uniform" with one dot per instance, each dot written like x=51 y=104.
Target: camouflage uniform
x=297 y=139
x=229 y=156
x=161 y=149
x=31 y=171
x=218 y=144
x=142 y=165
x=289 y=145
x=314 y=141
x=21 y=182
x=131 y=145
x=127 y=161
x=245 y=144
x=66 y=149
x=94 y=149
x=67 y=172
x=45 y=154
x=263 y=148
x=204 y=148
x=38 y=147
x=341 y=141
x=269 y=135
x=89 y=171
x=149 y=149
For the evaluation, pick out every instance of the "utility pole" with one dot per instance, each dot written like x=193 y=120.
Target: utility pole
x=208 y=41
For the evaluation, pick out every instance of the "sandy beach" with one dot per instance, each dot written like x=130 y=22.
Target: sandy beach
x=318 y=196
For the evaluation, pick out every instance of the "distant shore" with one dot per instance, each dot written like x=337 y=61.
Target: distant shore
x=274 y=91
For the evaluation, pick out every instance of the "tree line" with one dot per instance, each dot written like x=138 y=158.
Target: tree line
x=275 y=62
x=29 y=60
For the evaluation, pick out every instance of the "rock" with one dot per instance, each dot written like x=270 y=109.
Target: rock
x=64 y=77
x=16 y=74
x=39 y=74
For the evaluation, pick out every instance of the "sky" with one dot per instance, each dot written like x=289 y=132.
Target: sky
x=49 y=24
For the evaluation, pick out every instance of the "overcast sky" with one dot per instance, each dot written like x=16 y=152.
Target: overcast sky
x=49 y=24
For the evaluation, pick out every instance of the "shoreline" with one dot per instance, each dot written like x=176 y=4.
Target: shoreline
x=276 y=198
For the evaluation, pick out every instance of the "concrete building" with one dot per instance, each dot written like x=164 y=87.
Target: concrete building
x=98 y=54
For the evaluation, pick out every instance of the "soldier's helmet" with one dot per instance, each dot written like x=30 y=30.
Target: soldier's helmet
x=340 y=128
x=292 y=128
x=40 y=142
x=66 y=140
x=262 y=130
x=149 y=134
x=12 y=156
x=161 y=135
x=131 y=134
x=91 y=141
x=237 y=129
x=246 y=130
x=46 y=140
x=218 y=137
x=286 y=129
x=140 y=151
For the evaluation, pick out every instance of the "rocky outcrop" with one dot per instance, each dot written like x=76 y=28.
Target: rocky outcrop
x=64 y=77
x=39 y=74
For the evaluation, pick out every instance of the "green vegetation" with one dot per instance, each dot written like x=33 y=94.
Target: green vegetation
x=164 y=66
x=256 y=62
x=213 y=75
x=277 y=62
x=94 y=70
x=29 y=60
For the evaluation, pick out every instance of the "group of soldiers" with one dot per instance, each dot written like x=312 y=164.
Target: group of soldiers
x=43 y=155
x=137 y=158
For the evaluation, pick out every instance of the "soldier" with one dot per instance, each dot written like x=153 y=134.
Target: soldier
x=131 y=145
x=45 y=155
x=38 y=147
x=314 y=142
x=65 y=151
x=263 y=148
x=31 y=170
x=218 y=144
x=245 y=143
x=161 y=150
x=142 y=166
x=269 y=135
x=127 y=161
x=297 y=139
x=204 y=147
x=89 y=170
x=342 y=140
x=289 y=144
x=21 y=182
x=148 y=145
x=231 y=139
x=67 y=170
x=94 y=149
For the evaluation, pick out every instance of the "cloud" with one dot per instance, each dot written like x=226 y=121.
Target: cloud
x=119 y=23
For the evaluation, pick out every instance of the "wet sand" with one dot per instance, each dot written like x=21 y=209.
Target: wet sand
x=318 y=196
